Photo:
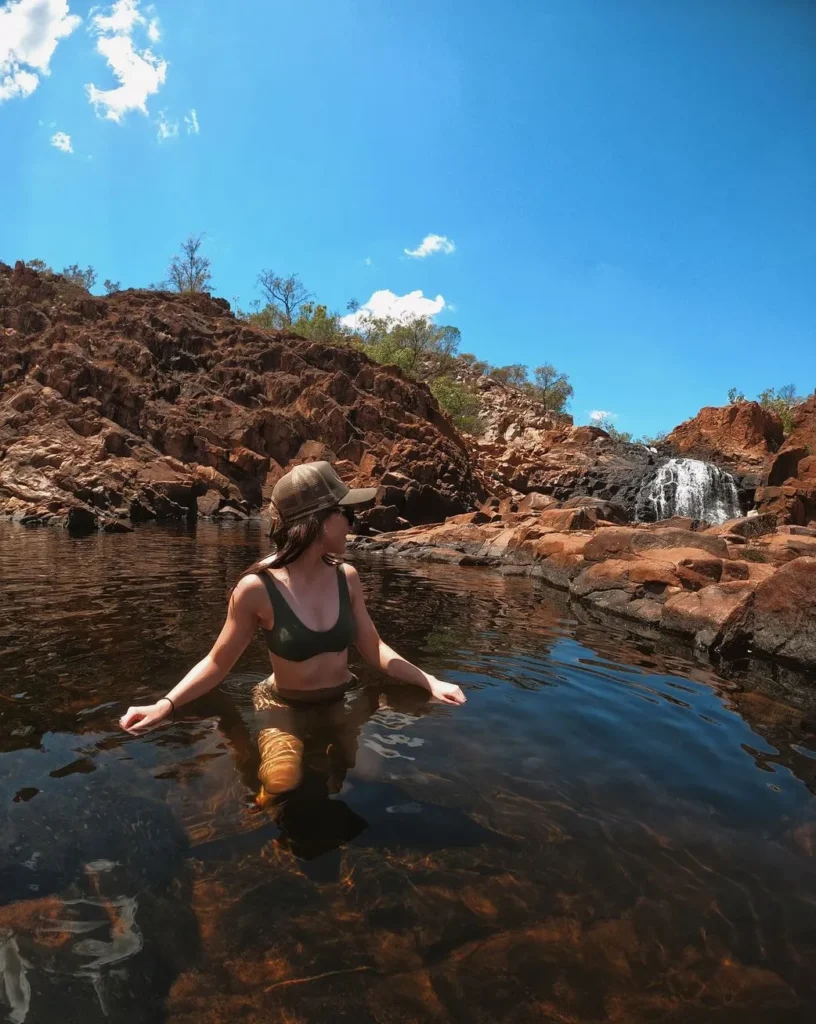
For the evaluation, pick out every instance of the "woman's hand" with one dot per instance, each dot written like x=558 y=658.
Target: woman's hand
x=448 y=693
x=143 y=719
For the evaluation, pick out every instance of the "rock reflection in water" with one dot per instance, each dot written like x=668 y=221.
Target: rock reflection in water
x=607 y=831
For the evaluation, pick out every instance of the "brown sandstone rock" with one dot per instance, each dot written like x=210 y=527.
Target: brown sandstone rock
x=749 y=526
x=647 y=540
x=567 y=519
x=146 y=401
x=779 y=620
x=742 y=435
x=628 y=576
x=789 y=487
x=703 y=613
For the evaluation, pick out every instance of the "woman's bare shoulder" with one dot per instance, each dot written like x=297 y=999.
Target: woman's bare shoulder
x=249 y=588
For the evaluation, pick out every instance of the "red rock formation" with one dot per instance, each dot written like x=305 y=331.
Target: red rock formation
x=742 y=436
x=699 y=583
x=789 y=487
x=780 y=617
x=146 y=404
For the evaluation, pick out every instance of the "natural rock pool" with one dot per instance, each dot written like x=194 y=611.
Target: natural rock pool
x=607 y=831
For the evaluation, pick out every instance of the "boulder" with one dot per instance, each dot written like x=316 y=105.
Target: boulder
x=605 y=511
x=382 y=518
x=80 y=521
x=207 y=504
x=779 y=619
x=639 y=576
x=673 y=523
x=647 y=540
x=749 y=526
x=702 y=614
x=231 y=512
x=559 y=569
x=567 y=519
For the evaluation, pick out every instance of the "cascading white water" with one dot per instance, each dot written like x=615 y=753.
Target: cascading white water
x=689 y=487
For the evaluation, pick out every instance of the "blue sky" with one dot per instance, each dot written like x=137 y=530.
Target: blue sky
x=629 y=187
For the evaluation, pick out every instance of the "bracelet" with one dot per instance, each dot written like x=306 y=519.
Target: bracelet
x=172 y=705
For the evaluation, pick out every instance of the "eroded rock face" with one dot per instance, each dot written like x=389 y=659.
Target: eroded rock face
x=566 y=464
x=742 y=436
x=789 y=487
x=154 y=405
x=780 y=618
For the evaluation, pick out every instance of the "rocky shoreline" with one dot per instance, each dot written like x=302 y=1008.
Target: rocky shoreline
x=745 y=587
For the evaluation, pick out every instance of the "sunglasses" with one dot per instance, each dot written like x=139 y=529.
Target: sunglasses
x=347 y=511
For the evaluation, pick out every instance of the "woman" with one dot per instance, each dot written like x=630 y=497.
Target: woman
x=310 y=606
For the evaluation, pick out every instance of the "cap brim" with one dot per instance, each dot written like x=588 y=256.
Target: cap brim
x=359 y=496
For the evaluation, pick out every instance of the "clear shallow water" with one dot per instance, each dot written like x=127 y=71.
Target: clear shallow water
x=605 y=832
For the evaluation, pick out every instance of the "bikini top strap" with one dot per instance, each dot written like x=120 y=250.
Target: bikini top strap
x=277 y=600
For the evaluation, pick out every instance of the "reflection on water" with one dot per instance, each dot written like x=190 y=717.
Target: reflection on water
x=606 y=831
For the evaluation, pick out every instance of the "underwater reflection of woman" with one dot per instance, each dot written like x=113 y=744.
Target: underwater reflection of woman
x=311 y=607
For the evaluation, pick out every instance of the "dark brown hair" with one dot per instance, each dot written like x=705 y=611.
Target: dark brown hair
x=290 y=541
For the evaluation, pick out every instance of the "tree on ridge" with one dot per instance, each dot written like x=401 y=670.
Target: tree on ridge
x=285 y=297
x=189 y=271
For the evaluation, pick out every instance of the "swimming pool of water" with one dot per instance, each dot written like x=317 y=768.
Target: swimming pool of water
x=607 y=831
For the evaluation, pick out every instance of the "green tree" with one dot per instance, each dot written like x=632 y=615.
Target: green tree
x=40 y=266
x=469 y=360
x=783 y=402
x=418 y=346
x=735 y=396
x=459 y=401
x=316 y=323
x=515 y=374
x=605 y=423
x=553 y=388
x=74 y=274
x=190 y=272
x=285 y=298
x=111 y=287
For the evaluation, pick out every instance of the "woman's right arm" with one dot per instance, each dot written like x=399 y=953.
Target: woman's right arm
x=236 y=633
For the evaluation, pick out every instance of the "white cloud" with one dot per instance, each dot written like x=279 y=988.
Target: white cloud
x=386 y=303
x=153 y=30
x=431 y=244
x=140 y=72
x=29 y=33
x=167 y=129
x=62 y=141
x=598 y=415
x=191 y=120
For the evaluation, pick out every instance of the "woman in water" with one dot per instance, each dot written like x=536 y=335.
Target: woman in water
x=311 y=608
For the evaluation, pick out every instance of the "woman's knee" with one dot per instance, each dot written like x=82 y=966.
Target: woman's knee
x=281 y=768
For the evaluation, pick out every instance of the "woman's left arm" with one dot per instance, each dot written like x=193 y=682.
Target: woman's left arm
x=380 y=655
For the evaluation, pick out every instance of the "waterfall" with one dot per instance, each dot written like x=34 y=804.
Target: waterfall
x=688 y=487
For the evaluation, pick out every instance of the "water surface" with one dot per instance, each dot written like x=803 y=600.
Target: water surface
x=607 y=831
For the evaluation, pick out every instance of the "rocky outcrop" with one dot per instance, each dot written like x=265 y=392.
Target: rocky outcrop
x=722 y=586
x=788 y=489
x=155 y=405
x=741 y=436
x=508 y=414
x=779 y=618
x=565 y=463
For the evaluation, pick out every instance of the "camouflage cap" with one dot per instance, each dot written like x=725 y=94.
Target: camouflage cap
x=313 y=487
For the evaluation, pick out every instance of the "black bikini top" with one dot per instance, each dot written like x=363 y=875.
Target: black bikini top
x=290 y=639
